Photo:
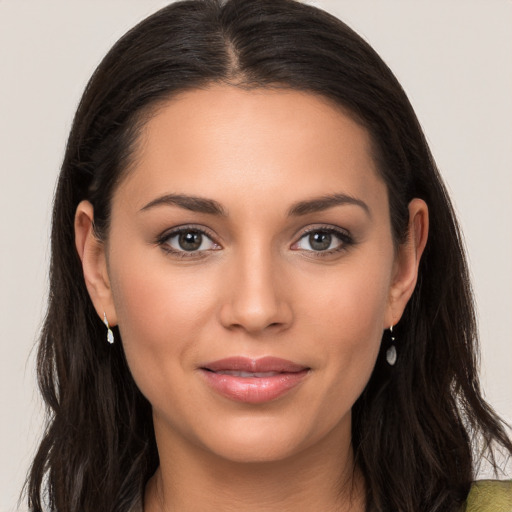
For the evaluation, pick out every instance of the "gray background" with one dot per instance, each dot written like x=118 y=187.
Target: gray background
x=453 y=57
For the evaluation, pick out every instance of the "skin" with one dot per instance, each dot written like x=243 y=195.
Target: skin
x=257 y=287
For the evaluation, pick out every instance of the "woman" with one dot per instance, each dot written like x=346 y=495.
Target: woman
x=275 y=310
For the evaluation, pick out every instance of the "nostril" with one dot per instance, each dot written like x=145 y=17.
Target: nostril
x=254 y=312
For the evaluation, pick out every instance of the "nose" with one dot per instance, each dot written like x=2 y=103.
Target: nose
x=256 y=298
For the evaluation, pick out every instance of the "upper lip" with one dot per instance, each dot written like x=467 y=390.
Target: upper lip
x=246 y=364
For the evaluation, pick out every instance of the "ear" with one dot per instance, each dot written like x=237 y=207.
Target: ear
x=407 y=260
x=94 y=262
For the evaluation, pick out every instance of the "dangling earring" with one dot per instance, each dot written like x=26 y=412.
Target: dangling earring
x=110 y=334
x=391 y=351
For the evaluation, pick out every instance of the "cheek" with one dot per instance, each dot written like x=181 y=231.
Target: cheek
x=348 y=318
x=160 y=315
x=351 y=303
x=149 y=293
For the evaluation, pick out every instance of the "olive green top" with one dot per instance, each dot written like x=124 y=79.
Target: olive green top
x=489 y=496
x=485 y=496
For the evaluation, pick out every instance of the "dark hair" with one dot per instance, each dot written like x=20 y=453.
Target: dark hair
x=416 y=424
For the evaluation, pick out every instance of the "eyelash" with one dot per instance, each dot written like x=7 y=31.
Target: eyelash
x=163 y=242
x=343 y=236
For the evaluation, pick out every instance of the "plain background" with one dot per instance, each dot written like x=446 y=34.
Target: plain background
x=453 y=57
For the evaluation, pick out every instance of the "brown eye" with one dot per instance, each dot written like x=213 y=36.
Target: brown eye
x=320 y=240
x=324 y=240
x=188 y=241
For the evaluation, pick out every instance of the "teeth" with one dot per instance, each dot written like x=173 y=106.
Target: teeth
x=236 y=373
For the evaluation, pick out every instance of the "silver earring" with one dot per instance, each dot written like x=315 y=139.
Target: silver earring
x=110 y=334
x=391 y=351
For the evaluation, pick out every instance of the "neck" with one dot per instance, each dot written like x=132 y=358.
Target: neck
x=317 y=478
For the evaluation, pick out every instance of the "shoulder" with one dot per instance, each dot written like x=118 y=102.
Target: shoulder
x=490 y=496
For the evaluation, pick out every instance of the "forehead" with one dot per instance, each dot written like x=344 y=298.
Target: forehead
x=223 y=139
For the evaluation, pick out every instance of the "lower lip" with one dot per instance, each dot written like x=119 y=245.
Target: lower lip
x=253 y=390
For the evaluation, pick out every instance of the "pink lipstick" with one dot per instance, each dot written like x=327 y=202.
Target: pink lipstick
x=253 y=381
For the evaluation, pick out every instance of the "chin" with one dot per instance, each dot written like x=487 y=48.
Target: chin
x=263 y=441
x=260 y=452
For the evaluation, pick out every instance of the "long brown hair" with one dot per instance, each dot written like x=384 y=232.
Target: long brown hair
x=416 y=425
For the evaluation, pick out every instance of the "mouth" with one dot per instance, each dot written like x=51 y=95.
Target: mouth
x=245 y=375
x=253 y=381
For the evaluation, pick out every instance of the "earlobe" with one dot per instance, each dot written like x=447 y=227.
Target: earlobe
x=407 y=261
x=91 y=251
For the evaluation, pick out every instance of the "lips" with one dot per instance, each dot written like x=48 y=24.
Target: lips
x=236 y=373
x=253 y=381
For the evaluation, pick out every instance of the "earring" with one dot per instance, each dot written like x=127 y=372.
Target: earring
x=391 y=351
x=110 y=334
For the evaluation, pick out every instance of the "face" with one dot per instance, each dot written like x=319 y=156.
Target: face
x=251 y=270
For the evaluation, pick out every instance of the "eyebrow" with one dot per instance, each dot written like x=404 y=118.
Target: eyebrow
x=319 y=204
x=212 y=207
x=192 y=203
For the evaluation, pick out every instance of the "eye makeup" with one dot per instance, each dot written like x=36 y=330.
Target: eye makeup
x=192 y=241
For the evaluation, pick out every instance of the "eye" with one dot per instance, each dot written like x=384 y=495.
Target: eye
x=187 y=240
x=323 y=240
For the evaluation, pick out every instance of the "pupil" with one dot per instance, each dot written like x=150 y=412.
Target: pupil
x=190 y=241
x=320 y=241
